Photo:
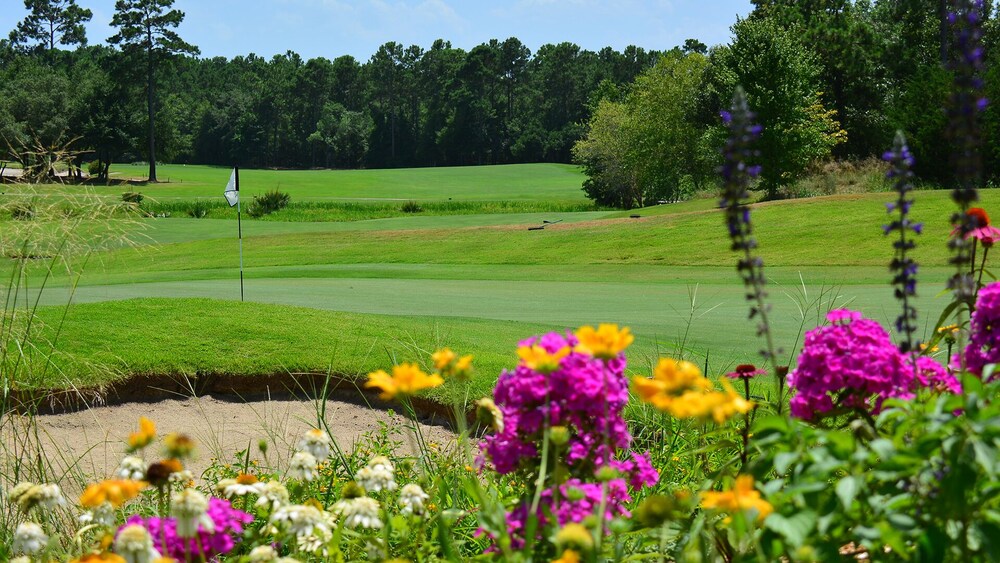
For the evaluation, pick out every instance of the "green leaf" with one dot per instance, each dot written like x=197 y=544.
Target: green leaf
x=774 y=423
x=795 y=529
x=847 y=490
x=783 y=461
x=901 y=521
x=883 y=448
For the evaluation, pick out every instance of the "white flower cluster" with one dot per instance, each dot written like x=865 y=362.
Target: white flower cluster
x=311 y=527
x=411 y=498
x=377 y=476
x=135 y=545
x=131 y=467
x=29 y=495
x=317 y=443
x=315 y=447
x=103 y=515
x=29 y=538
x=361 y=512
x=189 y=508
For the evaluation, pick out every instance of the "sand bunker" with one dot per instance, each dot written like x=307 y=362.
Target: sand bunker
x=91 y=442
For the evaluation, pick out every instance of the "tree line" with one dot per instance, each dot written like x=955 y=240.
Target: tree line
x=828 y=79
x=148 y=96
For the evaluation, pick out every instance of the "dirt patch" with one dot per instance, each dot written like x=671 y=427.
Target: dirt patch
x=89 y=443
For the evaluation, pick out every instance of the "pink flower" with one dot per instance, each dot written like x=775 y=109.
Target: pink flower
x=850 y=364
x=983 y=231
x=984 y=328
x=745 y=371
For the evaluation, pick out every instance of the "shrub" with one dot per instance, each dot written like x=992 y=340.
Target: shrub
x=268 y=203
x=94 y=167
x=133 y=197
x=198 y=209
x=412 y=207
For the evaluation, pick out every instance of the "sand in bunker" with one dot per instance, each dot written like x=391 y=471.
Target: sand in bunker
x=95 y=438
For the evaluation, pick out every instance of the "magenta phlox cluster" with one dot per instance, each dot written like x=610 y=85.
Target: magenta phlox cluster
x=852 y=363
x=228 y=523
x=585 y=395
x=984 y=338
x=932 y=374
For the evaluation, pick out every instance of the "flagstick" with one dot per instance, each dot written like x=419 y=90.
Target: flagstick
x=239 y=226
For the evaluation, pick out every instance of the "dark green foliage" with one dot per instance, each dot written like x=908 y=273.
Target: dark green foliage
x=132 y=197
x=51 y=23
x=22 y=211
x=923 y=482
x=782 y=82
x=197 y=209
x=411 y=207
x=268 y=203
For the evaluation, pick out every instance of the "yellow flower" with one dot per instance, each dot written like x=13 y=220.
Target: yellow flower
x=443 y=358
x=575 y=536
x=103 y=557
x=670 y=378
x=537 y=358
x=178 y=445
x=606 y=342
x=933 y=350
x=568 y=556
x=950 y=328
x=406 y=379
x=145 y=435
x=464 y=364
x=448 y=363
x=742 y=497
x=115 y=491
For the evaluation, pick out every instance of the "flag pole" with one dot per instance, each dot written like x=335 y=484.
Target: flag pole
x=239 y=227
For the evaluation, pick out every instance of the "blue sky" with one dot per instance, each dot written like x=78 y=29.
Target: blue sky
x=330 y=28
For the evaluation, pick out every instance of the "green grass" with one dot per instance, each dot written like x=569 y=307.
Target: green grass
x=521 y=182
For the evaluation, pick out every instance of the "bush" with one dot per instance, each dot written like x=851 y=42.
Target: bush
x=133 y=197
x=94 y=167
x=412 y=207
x=197 y=209
x=268 y=203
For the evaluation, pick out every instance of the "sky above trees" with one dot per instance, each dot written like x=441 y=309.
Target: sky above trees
x=330 y=28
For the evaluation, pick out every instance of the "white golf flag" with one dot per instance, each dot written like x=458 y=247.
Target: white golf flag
x=232 y=193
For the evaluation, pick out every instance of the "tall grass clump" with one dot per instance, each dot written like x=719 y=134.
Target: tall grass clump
x=34 y=248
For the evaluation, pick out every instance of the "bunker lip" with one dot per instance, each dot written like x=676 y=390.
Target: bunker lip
x=153 y=388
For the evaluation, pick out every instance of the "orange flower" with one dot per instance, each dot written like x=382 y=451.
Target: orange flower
x=742 y=497
x=115 y=491
x=406 y=379
x=145 y=435
x=538 y=359
x=606 y=342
